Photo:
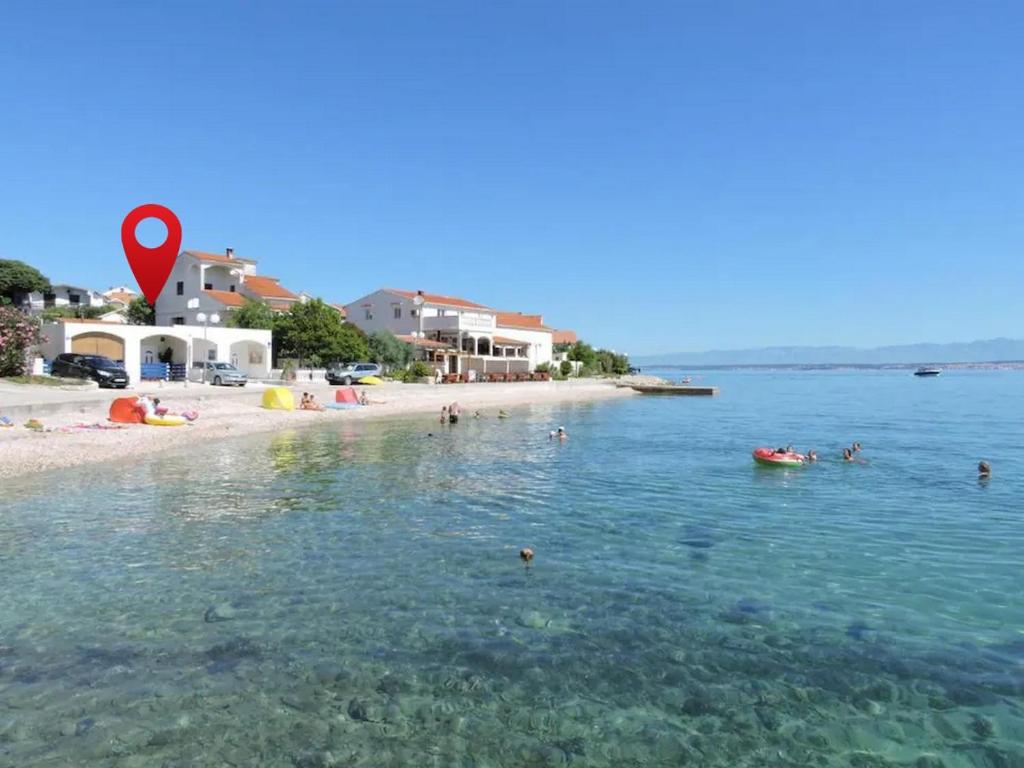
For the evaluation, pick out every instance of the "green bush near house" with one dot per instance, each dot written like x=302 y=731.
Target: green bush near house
x=419 y=370
x=565 y=369
x=543 y=368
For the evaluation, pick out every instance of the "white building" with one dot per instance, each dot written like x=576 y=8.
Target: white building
x=138 y=346
x=455 y=335
x=62 y=295
x=517 y=328
x=120 y=295
x=219 y=283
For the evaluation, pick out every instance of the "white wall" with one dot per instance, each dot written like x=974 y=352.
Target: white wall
x=194 y=274
x=244 y=343
x=539 y=341
x=382 y=305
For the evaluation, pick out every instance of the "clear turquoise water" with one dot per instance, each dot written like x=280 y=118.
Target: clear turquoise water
x=354 y=596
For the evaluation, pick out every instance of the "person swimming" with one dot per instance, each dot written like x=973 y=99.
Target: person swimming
x=453 y=413
x=855 y=447
x=562 y=435
x=847 y=454
x=812 y=455
x=984 y=470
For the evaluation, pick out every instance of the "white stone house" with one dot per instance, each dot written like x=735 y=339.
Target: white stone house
x=455 y=335
x=62 y=295
x=215 y=283
x=526 y=335
x=135 y=345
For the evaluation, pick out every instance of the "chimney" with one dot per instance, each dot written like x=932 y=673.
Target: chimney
x=229 y=252
x=419 y=293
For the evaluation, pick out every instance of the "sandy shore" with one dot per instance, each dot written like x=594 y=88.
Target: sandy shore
x=228 y=412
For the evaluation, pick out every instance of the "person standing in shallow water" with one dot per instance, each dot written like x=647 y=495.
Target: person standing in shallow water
x=444 y=414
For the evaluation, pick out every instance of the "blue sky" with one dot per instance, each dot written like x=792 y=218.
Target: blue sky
x=659 y=176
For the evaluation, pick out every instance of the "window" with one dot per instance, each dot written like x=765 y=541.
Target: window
x=398 y=313
x=177 y=321
x=232 y=289
x=74 y=298
x=180 y=288
x=369 y=315
x=208 y=286
x=413 y=312
x=49 y=299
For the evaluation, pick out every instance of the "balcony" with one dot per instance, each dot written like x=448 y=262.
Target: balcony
x=477 y=322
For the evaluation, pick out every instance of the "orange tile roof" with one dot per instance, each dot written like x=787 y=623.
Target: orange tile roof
x=279 y=306
x=426 y=343
x=218 y=257
x=563 y=337
x=436 y=298
x=507 y=342
x=122 y=296
x=519 y=320
x=341 y=310
x=267 y=287
x=227 y=298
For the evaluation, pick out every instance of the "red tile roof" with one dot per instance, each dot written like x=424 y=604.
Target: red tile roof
x=121 y=296
x=436 y=298
x=267 y=288
x=426 y=343
x=227 y=298
x=507 y=342
x=218 y=257
x=519 y=320
x=563 y=337
x=341 y=310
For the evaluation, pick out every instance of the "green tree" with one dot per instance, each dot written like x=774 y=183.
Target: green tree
x=565 y=368
x=252 y=314
x=388 y=350
x=140 y=312
x=315 y=334
x=17 y=277
x=18 y=334
x=583 y=353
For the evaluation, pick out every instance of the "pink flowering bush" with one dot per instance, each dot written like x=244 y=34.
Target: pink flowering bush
x=18 y=334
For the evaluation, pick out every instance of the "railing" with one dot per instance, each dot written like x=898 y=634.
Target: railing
x=155 y=371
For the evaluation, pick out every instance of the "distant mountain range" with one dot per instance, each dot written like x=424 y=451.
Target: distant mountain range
x=992 y=350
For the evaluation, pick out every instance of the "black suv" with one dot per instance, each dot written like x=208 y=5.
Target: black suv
x=102 y=370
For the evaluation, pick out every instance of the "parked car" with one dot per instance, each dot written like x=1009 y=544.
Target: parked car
x=218 y=374
x=351 y=373
x=102 y=370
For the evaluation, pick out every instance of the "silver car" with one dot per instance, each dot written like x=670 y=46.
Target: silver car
x=351 y=373
x=219 y=374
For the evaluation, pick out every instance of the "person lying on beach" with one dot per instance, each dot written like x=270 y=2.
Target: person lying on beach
x=309 y=403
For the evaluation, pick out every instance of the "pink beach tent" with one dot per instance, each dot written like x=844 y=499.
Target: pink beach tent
x=346 y=395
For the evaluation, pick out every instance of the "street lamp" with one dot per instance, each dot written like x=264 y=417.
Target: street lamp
x=202 y=318
x=417 y=300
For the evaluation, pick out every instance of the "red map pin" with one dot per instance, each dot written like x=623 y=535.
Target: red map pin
x=151 y=266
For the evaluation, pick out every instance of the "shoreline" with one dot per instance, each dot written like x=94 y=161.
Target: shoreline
x=236 y=413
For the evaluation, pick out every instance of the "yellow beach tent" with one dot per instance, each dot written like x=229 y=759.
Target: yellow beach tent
x=279 y=399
